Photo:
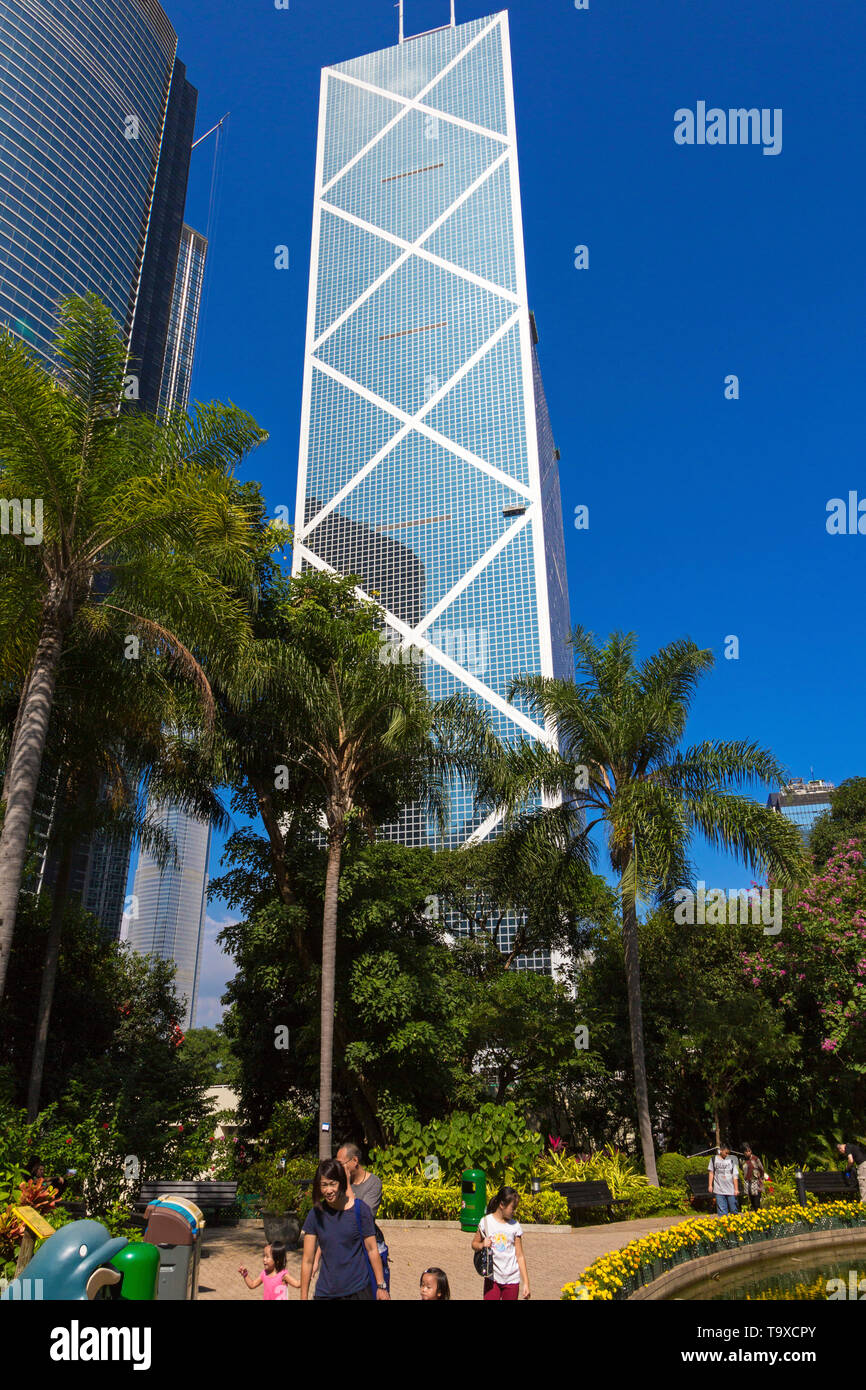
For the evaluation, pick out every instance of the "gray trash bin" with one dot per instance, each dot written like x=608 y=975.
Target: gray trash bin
x=175 y=1227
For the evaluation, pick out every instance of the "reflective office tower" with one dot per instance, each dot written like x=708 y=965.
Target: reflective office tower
x=96 y=126
x=803 y=802
x=427 y=462
x=183 y=321
x=168 y=905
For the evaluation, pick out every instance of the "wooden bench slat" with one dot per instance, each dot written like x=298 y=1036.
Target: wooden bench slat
x=592 y=1193
x=202 y=1194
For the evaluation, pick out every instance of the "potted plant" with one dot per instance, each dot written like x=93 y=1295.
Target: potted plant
x=286 y=1201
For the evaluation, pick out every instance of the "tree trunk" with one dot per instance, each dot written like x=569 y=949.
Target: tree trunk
x=329 y=959
x=23 y=777
x=49 y=976
x=15 y=727
x=717 y=1127
x=635 y=1015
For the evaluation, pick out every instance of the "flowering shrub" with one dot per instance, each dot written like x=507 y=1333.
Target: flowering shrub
x=822 y=955
x=620 y=1172
x=620 y=1272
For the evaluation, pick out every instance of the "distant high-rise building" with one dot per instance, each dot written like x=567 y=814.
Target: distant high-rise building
x=169 y=904
x=183 y=322
x=427 y=463
x=96 y=129
x=803 y=802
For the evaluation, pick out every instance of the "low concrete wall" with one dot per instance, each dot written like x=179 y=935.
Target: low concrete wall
x=675 y=1282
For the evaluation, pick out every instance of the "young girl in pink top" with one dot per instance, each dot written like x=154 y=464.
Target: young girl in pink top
x=274 y=1275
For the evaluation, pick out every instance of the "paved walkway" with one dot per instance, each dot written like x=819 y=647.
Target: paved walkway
x=553 y=1257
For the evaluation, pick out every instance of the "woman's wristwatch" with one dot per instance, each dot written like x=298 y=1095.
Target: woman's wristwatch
x=382 y=1286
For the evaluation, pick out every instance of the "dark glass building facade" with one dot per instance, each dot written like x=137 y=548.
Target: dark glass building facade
x=96 y=121
x=96 y=129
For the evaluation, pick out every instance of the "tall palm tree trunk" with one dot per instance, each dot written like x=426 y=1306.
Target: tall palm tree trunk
x=49 y=976
x=329 y=961
x=15 y=727
x=23 y=776
x=635 y=1016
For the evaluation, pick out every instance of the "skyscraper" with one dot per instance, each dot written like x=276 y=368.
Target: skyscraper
x=169 y=905
x=96 y=124
x=803 y=802
x=96 y=128
x=183 y=322
x=427 y=462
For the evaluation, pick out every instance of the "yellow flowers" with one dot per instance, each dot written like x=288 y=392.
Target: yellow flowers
x=618 y=1270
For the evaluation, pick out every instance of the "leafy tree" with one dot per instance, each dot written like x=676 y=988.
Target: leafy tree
x=355 y=740
x=617 y=765
x=845 y=820
x=142 y=535
x=115 y=1076
x=209 y=1052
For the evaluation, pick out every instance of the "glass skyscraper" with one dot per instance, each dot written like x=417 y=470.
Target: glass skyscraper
x=169 y=904
x=183 y=321
x=803 y=802
x=96 y=127
x=427 y=463
x=96 y=122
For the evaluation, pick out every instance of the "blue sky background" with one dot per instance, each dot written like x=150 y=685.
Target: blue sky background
x=707 y=516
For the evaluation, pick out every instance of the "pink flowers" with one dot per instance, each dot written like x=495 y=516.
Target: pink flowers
x=829 y=1045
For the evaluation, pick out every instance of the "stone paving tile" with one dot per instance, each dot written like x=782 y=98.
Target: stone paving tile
x=553 y=1257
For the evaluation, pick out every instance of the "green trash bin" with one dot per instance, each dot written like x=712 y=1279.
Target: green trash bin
x=138 y=1262
x=473 y=1198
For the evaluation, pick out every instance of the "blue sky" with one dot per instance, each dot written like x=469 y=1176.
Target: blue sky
x=707 y=515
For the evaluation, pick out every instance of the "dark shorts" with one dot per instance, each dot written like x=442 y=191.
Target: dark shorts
x=359 y=1296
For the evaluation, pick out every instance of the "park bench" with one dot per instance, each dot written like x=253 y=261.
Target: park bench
x=585 y=1194
x=209 y=1196
x=699 y=1195
x=831 y=1186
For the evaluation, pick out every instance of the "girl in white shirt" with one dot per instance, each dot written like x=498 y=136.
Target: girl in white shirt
x=501 y=1232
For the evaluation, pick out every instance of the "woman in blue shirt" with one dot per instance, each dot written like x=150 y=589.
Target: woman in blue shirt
x=341 y=1225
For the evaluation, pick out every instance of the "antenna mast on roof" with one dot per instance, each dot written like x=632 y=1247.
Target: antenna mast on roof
x=400 y=35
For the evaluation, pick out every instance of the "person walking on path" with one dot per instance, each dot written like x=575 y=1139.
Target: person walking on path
x=368 y=1187
x=274 y=1276
x=341 y=1225
x=724 y=1179
x=855 y=1157
x=754 y=1177
x=363 y=1183
x=501 y=1232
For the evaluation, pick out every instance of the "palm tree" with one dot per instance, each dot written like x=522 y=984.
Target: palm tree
x=361 y=739
x=143 y=537
x=113 y=745
x=618 y=765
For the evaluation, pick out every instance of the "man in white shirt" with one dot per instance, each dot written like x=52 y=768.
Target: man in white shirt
x=724 y=1178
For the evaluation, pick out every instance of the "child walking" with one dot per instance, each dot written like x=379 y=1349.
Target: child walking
x=500 y=1231
x=434 y=1285
x=274 y=1275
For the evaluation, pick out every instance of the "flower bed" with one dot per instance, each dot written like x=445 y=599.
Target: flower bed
x=622 y=1272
